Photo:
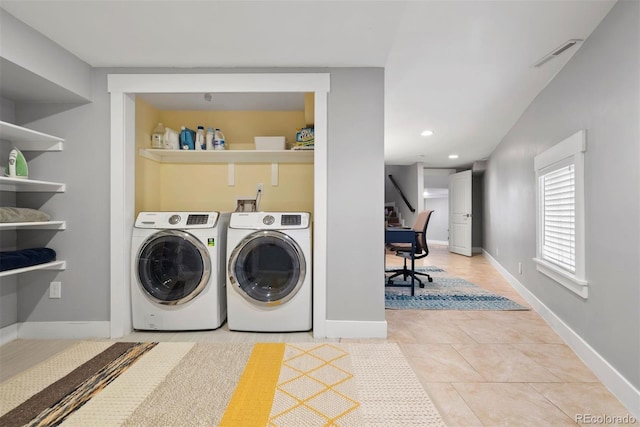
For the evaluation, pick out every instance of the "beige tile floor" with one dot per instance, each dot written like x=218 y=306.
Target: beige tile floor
x=481 y=368
x=495 y=368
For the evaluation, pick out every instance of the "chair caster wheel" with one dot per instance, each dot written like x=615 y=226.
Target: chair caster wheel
x=430 y=279
x=422 y=285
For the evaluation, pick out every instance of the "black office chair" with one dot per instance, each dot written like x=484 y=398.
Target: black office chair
x=404 y=250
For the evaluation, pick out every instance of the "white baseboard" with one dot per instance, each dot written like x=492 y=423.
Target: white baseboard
x=63 y=330
x=610 y=377
x=356 y=329
x=8 y=334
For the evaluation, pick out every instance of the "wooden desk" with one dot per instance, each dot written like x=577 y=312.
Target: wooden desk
x=402 y=235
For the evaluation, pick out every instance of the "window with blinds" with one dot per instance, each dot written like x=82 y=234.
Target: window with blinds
x=559 y=217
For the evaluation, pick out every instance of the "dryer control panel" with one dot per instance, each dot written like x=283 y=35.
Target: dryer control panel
x=269 y=220
x=295 y=219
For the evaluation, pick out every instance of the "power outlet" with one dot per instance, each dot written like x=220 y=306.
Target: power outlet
x=519 y=268
x=497 y=251
x=260 y=187
x=55 y=290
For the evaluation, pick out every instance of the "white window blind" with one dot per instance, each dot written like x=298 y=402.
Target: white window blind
x=559 y=218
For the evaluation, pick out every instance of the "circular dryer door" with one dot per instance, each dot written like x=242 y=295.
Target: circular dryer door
x=267 y=268
x=173 y=267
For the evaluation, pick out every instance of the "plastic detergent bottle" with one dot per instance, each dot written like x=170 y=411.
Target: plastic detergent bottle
x=157 y=136
x=187 y=139
x=209 y=139
x=200 y=138
x=218 y=140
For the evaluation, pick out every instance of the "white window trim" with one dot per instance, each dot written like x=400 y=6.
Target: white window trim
x=571 y=149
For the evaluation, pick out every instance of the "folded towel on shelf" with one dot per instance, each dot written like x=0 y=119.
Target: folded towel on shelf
x=11 y=214
x=25 y=258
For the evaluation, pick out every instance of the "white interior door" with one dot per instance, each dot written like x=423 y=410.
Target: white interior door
x=460 y=219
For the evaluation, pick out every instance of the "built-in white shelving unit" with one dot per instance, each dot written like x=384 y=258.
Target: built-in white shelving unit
x=30 y=185
x=43 y=225
x=29 y=140
x=53 y=265
x=228 y=156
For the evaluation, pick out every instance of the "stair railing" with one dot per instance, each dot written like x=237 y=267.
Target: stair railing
x=395 y=184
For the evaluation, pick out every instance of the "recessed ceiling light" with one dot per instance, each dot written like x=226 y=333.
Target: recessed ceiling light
x=453 y=156
x=427 y=132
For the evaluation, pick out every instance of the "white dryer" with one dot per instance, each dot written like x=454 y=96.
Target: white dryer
x=269 y=286
x=178 y=274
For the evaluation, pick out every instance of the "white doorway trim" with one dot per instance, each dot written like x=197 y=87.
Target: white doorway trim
x=123 y=88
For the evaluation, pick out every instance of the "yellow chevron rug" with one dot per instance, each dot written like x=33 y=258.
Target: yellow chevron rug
x=219 y=384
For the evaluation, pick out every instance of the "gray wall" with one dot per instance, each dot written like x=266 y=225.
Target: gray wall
x=477 y=207
x=355 y=233
x=7 y=110
x=84 y=166
x=355 y=260
x=438 y=179
x=598 y=90
x=410 y=179
x=439 y=222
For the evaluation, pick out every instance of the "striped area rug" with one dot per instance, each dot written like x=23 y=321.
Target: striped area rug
x=219 y=384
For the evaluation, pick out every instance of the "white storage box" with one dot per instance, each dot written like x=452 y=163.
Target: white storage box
x=270 y=142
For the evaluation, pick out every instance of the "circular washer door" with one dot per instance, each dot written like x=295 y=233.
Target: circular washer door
x=267 y=268
x=173 y=267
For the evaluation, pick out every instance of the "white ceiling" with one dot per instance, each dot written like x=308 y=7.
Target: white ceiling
x=461 y=68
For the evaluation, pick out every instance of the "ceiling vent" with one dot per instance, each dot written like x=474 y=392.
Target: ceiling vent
x=557 y=51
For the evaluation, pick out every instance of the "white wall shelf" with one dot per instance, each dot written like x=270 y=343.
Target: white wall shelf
x=40 y=225
x=54 y=265
x=228 y=156
x=30 y=185
x=29 y=140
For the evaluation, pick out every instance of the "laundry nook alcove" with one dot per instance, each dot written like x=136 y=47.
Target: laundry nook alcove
x=144 y=179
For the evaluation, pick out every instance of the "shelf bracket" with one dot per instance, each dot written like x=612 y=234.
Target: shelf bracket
x=231 y=174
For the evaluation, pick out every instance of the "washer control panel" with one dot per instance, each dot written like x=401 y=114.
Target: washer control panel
x=176 y=220
x=197 y=219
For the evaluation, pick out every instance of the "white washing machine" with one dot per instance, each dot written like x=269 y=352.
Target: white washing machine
x=178 y=270
x=269 y=286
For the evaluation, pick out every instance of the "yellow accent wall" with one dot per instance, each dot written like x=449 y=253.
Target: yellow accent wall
x=239 y=127
x=195 y=187
x=148 y=172
x=309 y=108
